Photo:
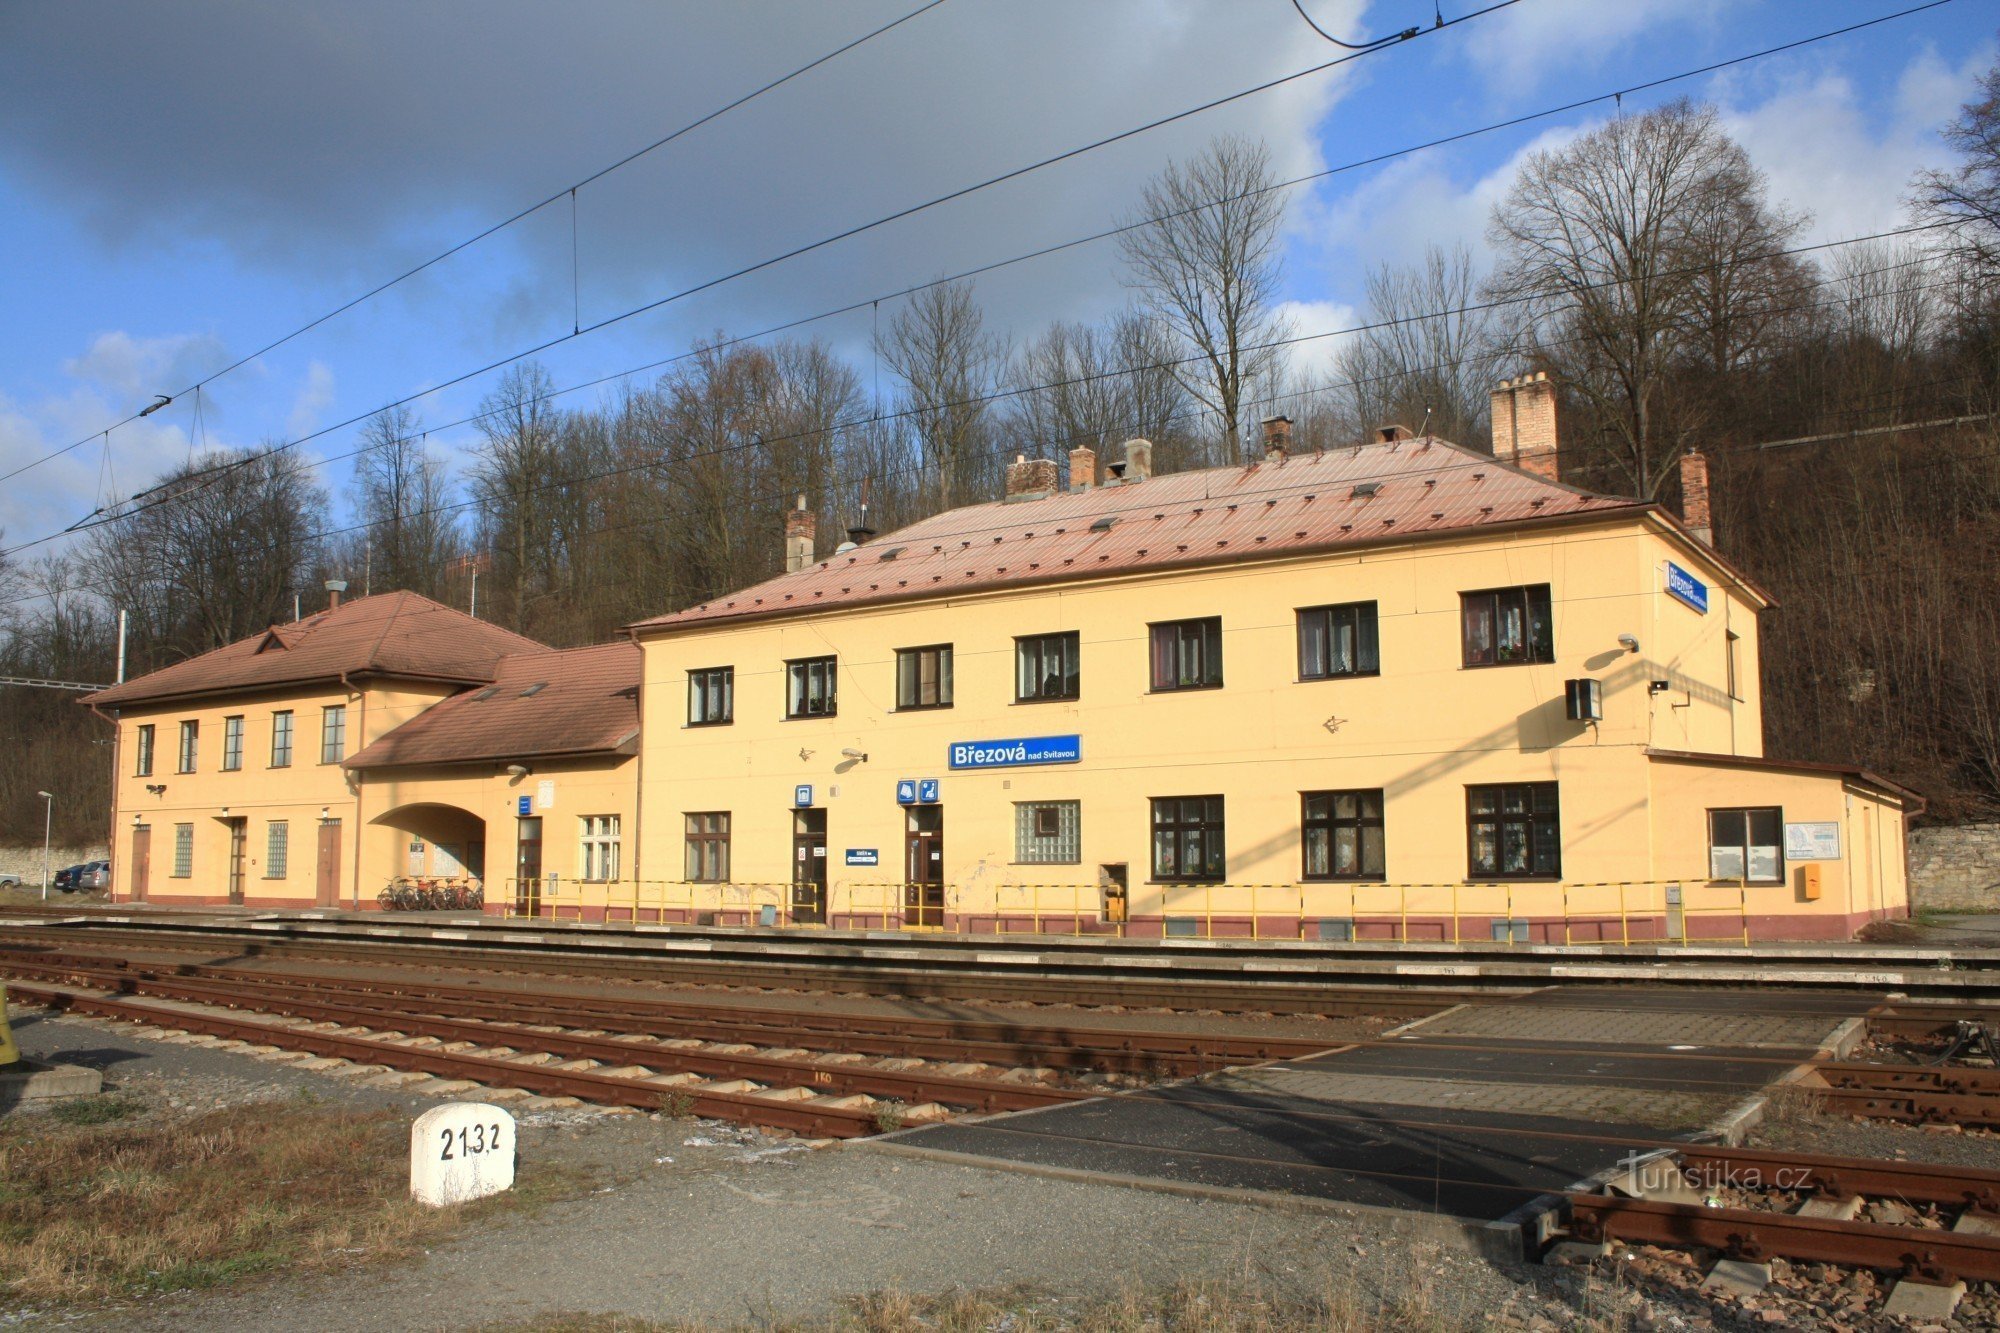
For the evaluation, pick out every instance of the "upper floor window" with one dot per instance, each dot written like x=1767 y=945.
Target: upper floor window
x=1747 y=844
x=142 y=766
x=1187 y=838
x=1338 y=641
x=1513 y=828
x=190 y=741
x=1507 y=626
x=923 y=677
x=281 y=739
x=1187 y=654
x=232 y=744
x=1048 y=832
x=333 y=734
x=1046 y=667
x=708 y=847
x=711 y=696
x=810 y=687
x=1343 y=836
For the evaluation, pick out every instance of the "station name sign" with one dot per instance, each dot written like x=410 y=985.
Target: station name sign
x=1687 y=588
x=1017 y=753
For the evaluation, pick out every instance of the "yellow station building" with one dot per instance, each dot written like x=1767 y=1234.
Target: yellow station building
x=1403 y=690
x=1399 y=690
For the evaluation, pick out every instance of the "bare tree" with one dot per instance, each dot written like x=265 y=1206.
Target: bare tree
x=939 y=347
x=1605 y=244
x=1966 y=199
x=1206 y=264
x=1426 y=354
x=400 y=491
x=517 y=464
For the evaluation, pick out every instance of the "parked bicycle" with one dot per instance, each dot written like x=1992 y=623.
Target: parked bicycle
x=416 y=893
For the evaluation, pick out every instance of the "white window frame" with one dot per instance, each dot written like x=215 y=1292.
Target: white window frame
x=598 y=851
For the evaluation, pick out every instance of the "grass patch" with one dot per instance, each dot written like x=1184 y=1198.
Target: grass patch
x=1793 y=1106
x=94 y=1206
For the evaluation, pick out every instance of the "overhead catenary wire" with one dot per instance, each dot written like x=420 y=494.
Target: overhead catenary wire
x=180 y=488
x=1045 y=251
x=1139 y=504
x=496 y=227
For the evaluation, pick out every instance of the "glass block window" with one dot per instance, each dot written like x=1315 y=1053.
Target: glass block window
x=1048 y=832
x=183 y=850
x=277 y=849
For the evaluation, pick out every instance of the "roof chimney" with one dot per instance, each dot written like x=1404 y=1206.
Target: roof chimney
x=334 y=587
x=860 y=532
x=1138 y=460
x=1277 y=437
x=1694 y=496
x=1030 y=478
x=1524 y=424
x=801 y=528
x=1082 y=468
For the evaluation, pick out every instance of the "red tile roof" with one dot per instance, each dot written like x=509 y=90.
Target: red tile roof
x=398 y=634
x=587 y=703
x=1304 y=503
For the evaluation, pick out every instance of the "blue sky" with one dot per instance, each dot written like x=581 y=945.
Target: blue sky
x=181 y=183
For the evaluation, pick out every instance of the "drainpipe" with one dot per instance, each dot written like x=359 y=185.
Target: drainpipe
x=361 y=731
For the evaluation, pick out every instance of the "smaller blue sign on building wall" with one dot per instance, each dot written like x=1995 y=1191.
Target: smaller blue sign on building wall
x=802 y=795
x=927 y=791
x=906 y=791
x=1685 y=587
x=1017 y=753
x=863 y=856
x=526 y=806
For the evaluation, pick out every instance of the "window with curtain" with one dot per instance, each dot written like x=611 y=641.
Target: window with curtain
x=281 y=739
x=1747 y=844
x=711 y=696
x=1343 y=834
x=1513 y=829
x=1338 y=641
x=1507 y=626
x=923 y=677
x=708 y=847
x=1187 y=654
x=1187 y=838
x=1046 y=666
x=811 y=687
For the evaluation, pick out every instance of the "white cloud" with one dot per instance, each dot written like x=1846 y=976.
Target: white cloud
x=314 y=397
x=136 y=369
x=1552 y=41
x=1314 y=361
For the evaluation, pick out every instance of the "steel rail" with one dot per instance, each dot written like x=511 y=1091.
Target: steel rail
x=843 y=1080
x=1919 y=1254
x=819 y=1121
x=1129 y=1050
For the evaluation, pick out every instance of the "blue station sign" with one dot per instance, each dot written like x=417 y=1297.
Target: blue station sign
x=906 y=791
x=802 y=795
x=525 y=806
x=1018 y=753
x=1685 y=587
x=863 y=856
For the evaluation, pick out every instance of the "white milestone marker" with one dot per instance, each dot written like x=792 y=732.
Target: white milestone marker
x=461 y=1151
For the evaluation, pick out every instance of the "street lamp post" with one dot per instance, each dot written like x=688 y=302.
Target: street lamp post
x=48 y=822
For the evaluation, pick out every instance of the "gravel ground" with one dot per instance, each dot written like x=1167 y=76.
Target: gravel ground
x=694 y=1220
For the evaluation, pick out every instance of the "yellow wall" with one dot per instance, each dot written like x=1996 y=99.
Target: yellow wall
x=1421 y=731
x=257 y=792
x=461 y=803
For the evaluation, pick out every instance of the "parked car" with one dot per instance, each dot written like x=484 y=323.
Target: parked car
x=8 y=880
x=94 y=875
x=65 y=880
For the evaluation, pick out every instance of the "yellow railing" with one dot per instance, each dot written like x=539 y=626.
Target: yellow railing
x=1625 y=912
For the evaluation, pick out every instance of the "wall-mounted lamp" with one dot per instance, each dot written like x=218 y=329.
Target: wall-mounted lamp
x=518 y=770
x=138 y=822
x=1658 y=686
x=854 y=754
x=157 y=788
x=324 y=813
x=1628 y=642
x=225 y=812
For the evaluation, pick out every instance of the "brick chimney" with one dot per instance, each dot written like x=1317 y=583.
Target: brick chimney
x=334 y=587
x=801 y=528
x=1138 y=460
x=1277 y=437
x=1082 y=468
x=1030 y=478
x=1694 y=496
x=1524 y=424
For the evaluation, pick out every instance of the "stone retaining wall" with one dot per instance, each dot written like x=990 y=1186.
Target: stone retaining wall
x=1955 y=868
x=27 y=861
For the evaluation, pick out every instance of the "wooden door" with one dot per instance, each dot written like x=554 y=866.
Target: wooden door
x=326 y=888
x=142 y=861
x=809 y=866
x=923 y=867
x=239 y=835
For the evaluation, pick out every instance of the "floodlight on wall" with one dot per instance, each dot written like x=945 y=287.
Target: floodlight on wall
x=518 y=770
x=1628 y=642
x=854 y=754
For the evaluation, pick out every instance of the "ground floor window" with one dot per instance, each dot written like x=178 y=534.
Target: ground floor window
x=1342 y=834
x=1747 y=844
x=183 y=850
x=1048 y=832
x=277 y=849
x=599 y=858
x=1187 y=838
x=1513 y=828
x=708 y=847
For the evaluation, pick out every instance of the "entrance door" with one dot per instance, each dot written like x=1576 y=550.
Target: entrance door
x=528 y=868
x=239 y=836
x=923 y=867
x=326 y=888
x=142 y=860
x=809 y=866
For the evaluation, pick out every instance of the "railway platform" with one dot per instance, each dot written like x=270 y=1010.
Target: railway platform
x=1469 y=1117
